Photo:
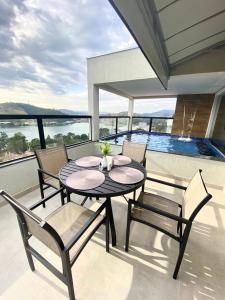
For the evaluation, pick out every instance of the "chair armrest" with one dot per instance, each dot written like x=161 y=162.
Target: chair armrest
x=159 y=211
x=47 y=173
x=32 y=207
x=167 y=183
x=71 y=243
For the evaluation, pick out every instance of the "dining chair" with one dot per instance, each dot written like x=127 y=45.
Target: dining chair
x=135 y=151
x=50 y=161
x=172 y=218
x=66 y=232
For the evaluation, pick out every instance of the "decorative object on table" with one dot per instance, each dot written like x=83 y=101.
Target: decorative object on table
x=85 y=179
x=121 y=160
x=106 y=150
x=88 y=161
x=126 y=175
x=110 y=162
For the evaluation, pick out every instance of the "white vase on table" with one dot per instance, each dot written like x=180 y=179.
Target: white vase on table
x=104 y=162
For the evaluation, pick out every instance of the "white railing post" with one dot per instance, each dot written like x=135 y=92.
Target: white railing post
x=130 y=112
x=93 y=109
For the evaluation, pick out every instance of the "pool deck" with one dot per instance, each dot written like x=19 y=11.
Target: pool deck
x=145 y=272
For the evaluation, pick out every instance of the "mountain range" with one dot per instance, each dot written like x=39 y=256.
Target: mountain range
x=13 y=108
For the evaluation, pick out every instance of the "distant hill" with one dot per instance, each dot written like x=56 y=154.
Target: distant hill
x=159 y=113
x=13 y=108
x=73 y=112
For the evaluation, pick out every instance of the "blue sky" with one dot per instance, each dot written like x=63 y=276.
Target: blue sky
x=44 y=45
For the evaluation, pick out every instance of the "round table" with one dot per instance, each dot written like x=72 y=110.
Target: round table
x=107 y=189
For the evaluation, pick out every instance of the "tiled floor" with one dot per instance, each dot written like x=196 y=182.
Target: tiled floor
x=144 y=273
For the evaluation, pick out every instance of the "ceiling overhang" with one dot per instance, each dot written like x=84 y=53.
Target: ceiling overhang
x=172 y=33
x=199 y=83
x=143 y=25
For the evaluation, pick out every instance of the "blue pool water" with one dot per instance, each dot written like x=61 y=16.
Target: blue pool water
x=169 y=143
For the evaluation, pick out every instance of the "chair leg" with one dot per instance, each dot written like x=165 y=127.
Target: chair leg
x=107 y=228
x=128 y=226
x=29 y=258
x=42 y=193
x=83 y=202
x=26 y=247
x=68 y=274
x=68 y=196
x=112 y=224
x=181 y=253
x=62 y=196
x=41 y=187
x=134 y=195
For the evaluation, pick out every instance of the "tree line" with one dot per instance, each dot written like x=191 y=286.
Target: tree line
x=19 y=144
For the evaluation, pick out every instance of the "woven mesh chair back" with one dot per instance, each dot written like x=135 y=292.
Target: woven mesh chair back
x=52 y=159
x=195 y=194
x=33 y=223
x=134 y=150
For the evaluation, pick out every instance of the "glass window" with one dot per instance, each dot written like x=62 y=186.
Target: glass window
x=66 y=131
x=140 y=124
x=107 y=126
x=162 y=125
x=18 y=138
x=123 y=124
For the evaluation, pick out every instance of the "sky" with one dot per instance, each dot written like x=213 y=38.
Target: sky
x=44 y=46
x=152 y=105
x=43 y=49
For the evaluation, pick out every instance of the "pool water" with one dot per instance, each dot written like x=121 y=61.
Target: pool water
x=169 y=143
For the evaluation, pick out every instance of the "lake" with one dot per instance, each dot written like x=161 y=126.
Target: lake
x=31 y=131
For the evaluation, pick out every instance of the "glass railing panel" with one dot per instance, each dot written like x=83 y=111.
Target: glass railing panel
x=66 y=131
x=123 y=124
x=162 y=125
x=107 y=126
x=18 y=138
x=140 y=124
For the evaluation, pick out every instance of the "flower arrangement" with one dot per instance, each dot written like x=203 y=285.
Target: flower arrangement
x=105 y=148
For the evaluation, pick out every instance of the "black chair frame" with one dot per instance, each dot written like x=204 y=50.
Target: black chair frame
x=66 y=275
x=43 y=185
x=143 y=162
x=183 y=236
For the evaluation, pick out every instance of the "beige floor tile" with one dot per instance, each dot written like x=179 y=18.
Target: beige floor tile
x=145 y=272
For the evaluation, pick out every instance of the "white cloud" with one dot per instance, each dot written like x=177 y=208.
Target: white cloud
x=154 y=105
x=44 y=45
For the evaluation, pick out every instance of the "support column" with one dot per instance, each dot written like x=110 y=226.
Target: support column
x=214 y=113
x=93 y=109
x=130 y=112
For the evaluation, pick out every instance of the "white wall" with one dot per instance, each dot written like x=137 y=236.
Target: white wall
x=119 y=66
x=22 y=176
x=184 y=167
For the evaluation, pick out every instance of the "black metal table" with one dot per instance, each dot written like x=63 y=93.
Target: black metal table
x=108 y=189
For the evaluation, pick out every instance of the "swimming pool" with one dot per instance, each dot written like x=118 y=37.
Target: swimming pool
x=169 y=143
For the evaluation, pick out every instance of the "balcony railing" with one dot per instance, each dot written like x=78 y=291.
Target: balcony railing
x=20 y=135
x=109 y=125
x=153 y=124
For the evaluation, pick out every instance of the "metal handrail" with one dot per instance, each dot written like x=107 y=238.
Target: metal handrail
x=150 y=120
x=17 y=117
x=40 y=126
x=116 y=118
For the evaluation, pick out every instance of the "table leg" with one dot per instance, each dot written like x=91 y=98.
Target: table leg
x=111 y=220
